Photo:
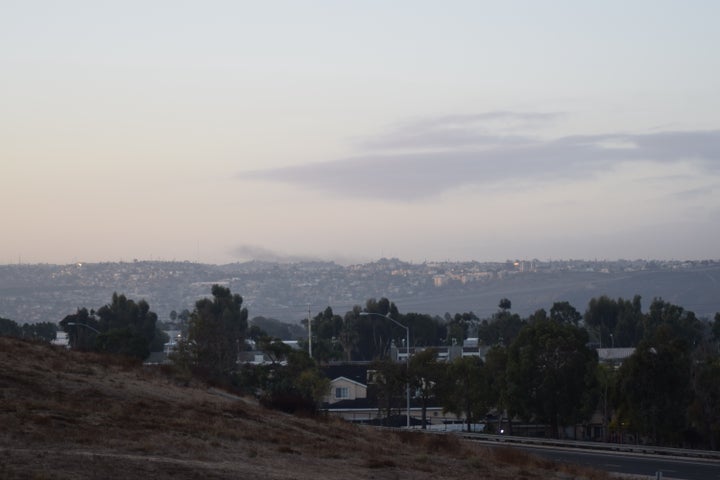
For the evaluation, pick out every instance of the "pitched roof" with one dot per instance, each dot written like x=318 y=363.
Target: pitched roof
x=349 y=380
x=351 y=371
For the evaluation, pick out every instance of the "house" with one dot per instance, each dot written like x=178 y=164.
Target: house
x=342 y=388
x=353 y=398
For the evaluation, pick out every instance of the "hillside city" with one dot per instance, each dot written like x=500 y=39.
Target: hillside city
x=31 y=293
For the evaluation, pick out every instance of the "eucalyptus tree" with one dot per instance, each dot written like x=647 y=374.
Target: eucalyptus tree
x=373 y=334
x=327 y=328
x=128 y=327
x=502 y=328
x=425 y=377
x=704 y=411
x=465 y=389
x=216 y=332
x=388 y=380
x=496 y=366
x=551 y=374
x=563 y=312
x=618 y=323
x=680 y=322
x=654 y=387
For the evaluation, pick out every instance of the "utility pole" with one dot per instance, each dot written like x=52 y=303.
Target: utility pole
x=309 y=333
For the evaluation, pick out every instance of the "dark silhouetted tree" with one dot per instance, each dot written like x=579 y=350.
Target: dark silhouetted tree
x=563 y=312
x=465 y=389
x=216 y=332
x=128 y=328
x=82 y=328
x=551 y=374
x=425 y=375
x=654 y=387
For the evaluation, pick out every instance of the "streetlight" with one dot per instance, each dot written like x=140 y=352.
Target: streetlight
x=75 y=324
x=86 y=326
x=407 y=357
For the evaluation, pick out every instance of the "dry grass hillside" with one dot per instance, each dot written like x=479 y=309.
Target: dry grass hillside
x=66 y=415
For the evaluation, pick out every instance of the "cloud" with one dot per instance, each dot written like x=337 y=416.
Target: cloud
x=696 y=193
x=453 y=131
x=426 y=158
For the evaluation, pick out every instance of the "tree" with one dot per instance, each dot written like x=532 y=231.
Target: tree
x=629 y=326
x=654 y=387
x=465 y=389
x=327 y=328
x=539 y=315
x=426 y=330
x=606 y=380
x=457 y=328
x=159 y=340
x=505 y=304
x=82 y=329
x=349 y=336
x=127 y=328
x=563 y=312
x=496 y=366
x=122 y=327
x=44 y=331
x=374 y=334
x=551 y=374
x=388 y=384
x=9 y=328
x=618 y=323
x=705 y=407
x=276 y=328
x=274 y=348
x=296 y=386
x=716 y=328
x=425 y=374
x=682 y=323
x=601 y=317
x=501 y=328
x=216 y=332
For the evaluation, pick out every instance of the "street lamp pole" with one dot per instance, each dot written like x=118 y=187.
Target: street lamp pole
x=75 y=324
x=407 y=359
x=86 y=326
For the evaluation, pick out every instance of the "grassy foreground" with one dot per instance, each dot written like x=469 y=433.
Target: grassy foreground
x=69 y=415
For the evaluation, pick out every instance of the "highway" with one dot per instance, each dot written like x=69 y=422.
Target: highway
x=646 y=465
x=642 y=460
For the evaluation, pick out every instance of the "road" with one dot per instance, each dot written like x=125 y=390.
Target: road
x=632 y=463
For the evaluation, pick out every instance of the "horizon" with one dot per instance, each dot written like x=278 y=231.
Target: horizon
x=220 y=131
x=371 y=261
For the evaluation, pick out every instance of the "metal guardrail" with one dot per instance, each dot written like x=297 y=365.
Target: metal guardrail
x=610 y=447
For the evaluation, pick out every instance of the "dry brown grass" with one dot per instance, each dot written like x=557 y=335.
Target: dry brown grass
x=67 y=415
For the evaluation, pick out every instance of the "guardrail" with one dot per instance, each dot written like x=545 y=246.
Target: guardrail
x=580 y=445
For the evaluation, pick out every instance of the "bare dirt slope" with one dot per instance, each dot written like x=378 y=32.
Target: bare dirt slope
x=67 y=415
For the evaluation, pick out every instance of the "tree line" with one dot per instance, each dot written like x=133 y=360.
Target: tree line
x=542 y=368
x=41 y=331
x=122 y=327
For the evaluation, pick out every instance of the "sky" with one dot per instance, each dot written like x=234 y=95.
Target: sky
x=225 y=131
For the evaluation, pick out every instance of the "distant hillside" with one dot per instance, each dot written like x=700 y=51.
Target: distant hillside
x=697 y=290
x=38 y=293
x=68 y=415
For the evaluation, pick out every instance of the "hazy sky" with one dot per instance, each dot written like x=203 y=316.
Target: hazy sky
x=221 y=131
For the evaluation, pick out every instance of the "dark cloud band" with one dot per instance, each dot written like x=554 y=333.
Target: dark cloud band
x=432 y=157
